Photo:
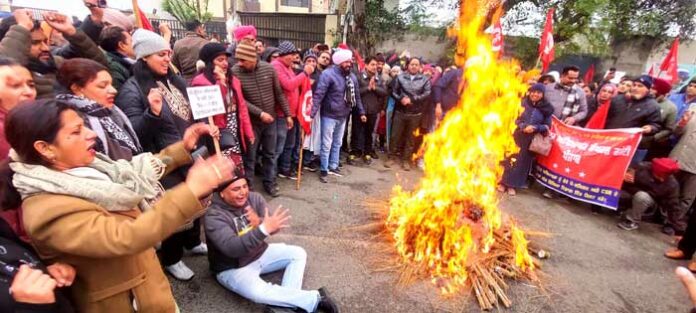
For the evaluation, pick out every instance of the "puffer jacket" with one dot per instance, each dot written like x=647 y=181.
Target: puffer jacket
x=627 y=113
x=119 y=69
x=262 y=91
x=330 y=95
x=417 y=87
x=17 y=43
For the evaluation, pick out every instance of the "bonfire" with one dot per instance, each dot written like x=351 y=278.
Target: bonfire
x=450 y=227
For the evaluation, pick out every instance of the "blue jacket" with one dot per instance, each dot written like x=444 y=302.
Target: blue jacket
x=446 y=89
x=679 y=100
x=330 y=94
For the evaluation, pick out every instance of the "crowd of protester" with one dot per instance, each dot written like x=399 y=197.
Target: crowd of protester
x=107 y=176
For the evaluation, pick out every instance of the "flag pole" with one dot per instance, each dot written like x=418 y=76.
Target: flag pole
x=136 y=13
x=299 y=164
x=215 y=140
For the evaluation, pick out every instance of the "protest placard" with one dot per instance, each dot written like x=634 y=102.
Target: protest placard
x=205 y=101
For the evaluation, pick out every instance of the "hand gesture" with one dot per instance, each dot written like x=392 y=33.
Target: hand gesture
x=647 y=129
x=24 y=18
x=266 y=118
x=629 y=176
x=363 y=118
x=373 y=84
x=406 y=101
x=291 y=123
x=60 y=23
x=64 y=274
x=277 y=221
x=164 y=29
x=220 y=75
x=569 y=121
x=251 y=215
x=308 y=69
x=97 y=13
x=206 y=175
x=32 y=286
x=529 y=129
x=194 y=132
x=155 y=100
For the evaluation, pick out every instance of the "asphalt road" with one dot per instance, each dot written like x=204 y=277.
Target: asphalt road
x=594 y=266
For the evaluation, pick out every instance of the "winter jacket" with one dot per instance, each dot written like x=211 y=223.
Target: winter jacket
x=374 y=101
x=245 y=129
x=291 y=83
x=17 y=43
x=668 y=112
x=685 y=150
x=262 y=91
x=331 y=92
x=232 y=241
x=186 y=52
x=559 y=95
x=537 y=115
x=15 y=253
x=112 y=252
x=665 y=193
x=416 y=87
x=119 y=68
x=446 y=90
x=627 y=113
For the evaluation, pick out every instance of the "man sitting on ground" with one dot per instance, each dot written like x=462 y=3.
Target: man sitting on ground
x=236 y=226
x=651 y=184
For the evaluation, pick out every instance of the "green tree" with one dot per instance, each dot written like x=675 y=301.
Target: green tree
x=374 y=24
x=188 y=10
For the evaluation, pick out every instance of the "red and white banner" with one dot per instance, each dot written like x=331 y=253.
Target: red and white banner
x=586 y=164
x=305 y=107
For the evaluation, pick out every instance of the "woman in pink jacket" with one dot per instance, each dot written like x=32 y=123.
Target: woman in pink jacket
x=235 y=125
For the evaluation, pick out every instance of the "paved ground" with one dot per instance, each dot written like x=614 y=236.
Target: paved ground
x=594 y=266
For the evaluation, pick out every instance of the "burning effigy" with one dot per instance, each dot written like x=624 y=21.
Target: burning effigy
x=450 y=228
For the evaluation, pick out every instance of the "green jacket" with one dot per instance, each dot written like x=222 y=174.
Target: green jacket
x=118 y=68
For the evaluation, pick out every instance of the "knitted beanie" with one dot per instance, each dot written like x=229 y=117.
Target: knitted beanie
x=285 y=48
x=146 y=43
x=245 y=52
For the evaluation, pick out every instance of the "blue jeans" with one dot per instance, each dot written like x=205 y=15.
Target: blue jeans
x=290 y=152
x=281 y=125
x=247 y=283
x=331 y=140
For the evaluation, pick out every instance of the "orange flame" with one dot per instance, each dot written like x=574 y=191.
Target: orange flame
x=452 y=214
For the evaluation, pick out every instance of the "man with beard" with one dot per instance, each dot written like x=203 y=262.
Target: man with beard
x=336 y=95
x=23 y=40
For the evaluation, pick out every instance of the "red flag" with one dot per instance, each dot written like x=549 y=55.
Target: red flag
x=670 y=63
x=599 y=118
x=496 y=32
x=651 y=72
x=359 y=60
x=305 y=107
x=141 y=20
x=546 y=46
x=589 y=74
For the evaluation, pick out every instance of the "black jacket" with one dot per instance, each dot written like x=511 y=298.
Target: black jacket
x=665 y=193
x=374 y=101
x=16 y=253
x=154 y=132
x=417 y=87
x=625 y=113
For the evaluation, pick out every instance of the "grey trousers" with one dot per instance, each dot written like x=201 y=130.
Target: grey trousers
x=640 y=203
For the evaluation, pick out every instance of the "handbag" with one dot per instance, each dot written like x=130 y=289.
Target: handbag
x=540 y=144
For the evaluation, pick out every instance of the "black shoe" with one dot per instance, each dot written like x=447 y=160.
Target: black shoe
x=323 y=177
x=279 y=309
x=374 y=155
x=548 y=194
x=312 y=167
x=340 y=165
x=351 y=159
x=292 y=175
x=336 y=172
x=326 y=304
x=272 y=191
x=596 y=209
x=368 y=159
x=627 y=225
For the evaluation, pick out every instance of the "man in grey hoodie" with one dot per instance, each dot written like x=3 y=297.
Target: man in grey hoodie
x=236 y=226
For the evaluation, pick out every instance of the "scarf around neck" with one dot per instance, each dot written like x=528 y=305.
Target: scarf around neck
x=349 y=94
x=113 y=185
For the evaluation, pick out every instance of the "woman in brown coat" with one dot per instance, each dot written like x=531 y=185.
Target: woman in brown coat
x=101 y=216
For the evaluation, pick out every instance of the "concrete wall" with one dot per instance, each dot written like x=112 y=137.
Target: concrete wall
x=428 y=47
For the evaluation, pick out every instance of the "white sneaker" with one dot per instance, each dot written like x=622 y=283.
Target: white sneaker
x=201 y=249
x=180 y=271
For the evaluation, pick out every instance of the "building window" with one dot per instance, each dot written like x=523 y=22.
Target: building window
x=295 y=3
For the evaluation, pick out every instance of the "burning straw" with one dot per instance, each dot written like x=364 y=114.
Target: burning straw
x=450 y=227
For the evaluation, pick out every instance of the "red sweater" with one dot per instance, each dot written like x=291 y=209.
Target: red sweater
x=291 y=85
x=245 y=128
